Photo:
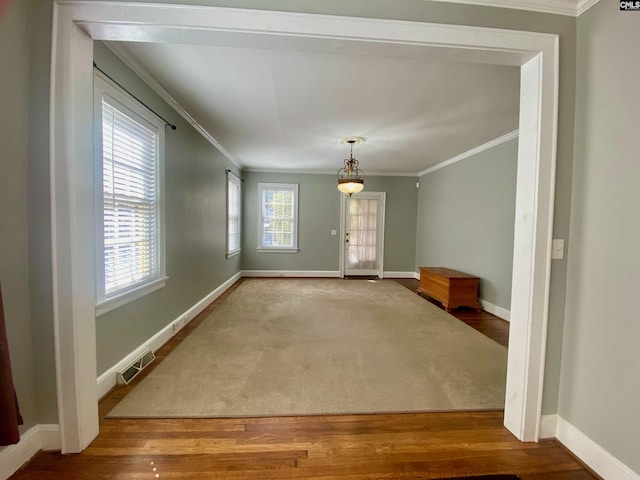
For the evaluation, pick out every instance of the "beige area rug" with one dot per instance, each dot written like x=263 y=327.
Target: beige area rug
x=330 y=346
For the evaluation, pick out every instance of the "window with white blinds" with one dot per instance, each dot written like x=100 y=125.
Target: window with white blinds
x=130 y=249
x=233 y=214
x=278 y=220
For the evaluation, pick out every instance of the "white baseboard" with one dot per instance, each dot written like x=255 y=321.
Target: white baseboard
x=400 y=275
x=503 y=313
x=108 y=379
x=47 y=437
x=291 y=273
x=548 y=426
x=596 y=457
x=38 y=437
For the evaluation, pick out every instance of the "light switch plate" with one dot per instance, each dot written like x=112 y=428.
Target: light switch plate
x=557 y=249
x=334 y=232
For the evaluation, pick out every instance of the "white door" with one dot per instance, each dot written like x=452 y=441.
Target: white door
x=363 y=234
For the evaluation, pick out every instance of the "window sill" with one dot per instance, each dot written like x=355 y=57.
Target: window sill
x=277 y=250
x=233 y=254
x=129 y=296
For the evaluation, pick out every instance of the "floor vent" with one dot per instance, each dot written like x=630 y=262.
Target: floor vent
x=125 y=376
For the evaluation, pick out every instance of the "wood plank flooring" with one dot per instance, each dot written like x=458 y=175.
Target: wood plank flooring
x=486 y=323
x=399 y=446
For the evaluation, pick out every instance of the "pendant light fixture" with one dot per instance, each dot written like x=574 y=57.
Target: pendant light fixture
x=350 y=177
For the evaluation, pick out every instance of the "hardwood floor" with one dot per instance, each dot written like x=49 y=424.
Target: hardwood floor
x=486 y=323
x=350 y=447
x=397 y=446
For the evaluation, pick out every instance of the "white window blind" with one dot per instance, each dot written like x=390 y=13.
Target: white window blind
x=279 y=217
x=233 y=213
x=130 y=201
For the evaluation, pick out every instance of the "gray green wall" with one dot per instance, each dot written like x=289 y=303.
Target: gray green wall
x=40 y=270
x=14 y=233
x=459 y=14
x=33 y=38
x=600 y=389
x=319 y=213
x=195 y=224
x=466 y=218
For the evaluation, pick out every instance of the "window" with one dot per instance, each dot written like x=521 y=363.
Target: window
x=278 y=219
x=233 y=214
x=129 y=154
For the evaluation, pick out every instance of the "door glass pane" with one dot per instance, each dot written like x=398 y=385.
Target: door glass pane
x=363 y=222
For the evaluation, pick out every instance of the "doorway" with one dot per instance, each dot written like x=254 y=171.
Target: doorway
x=362 y=220
x=75 y=27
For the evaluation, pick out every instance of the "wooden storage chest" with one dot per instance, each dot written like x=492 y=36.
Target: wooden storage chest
x=451 y=288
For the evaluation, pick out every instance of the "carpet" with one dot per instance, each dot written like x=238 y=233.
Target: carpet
x=323 y=346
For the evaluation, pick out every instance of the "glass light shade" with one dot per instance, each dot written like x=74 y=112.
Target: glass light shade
x=350 y=178
x=350 y=186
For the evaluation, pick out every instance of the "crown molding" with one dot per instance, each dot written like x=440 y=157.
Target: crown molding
x=571 y=8
x=324 y=172
x=146 y=77
x=584 y=5
x=473 y=151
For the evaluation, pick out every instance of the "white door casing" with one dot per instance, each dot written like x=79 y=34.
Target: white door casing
x=347 y=236
x=77 y=23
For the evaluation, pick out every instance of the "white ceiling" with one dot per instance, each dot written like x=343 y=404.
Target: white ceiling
x=284 y=104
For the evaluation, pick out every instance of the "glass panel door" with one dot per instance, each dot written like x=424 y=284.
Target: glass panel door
x=363 y=234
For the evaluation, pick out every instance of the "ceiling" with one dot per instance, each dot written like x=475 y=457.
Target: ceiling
x=284 y=104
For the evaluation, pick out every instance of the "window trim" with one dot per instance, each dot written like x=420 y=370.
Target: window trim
x=281 y=186
x=123 y=101
x=233 y=178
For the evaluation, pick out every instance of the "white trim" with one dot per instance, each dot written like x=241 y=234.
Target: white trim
x=130 y=295
x=291 y=273
x=556 y=7
x=417 y=275
x=325 y=172
x=73 y=229
x=38 y=437
x=15 y=456
x=277 y=250
x=294 y=187
x=596 y=457
x=481 y=148
x=584 y=5
x=121 y=100
x=144 y=74
x=77 y=23
x=233 y=178
x=341 y=248
x=382 y=198
x=548 y=426
x=382 y=223
x=399 y=274
x=297 y=171
x=572 y=8
x=395 y=173
x=503 y=313
x=535 y=196
x=108 y=379
x=50 y=437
